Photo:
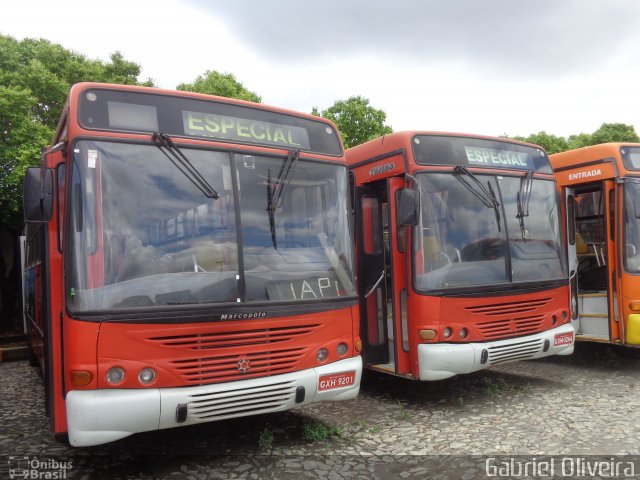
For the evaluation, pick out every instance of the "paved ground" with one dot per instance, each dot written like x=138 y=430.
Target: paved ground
x=587 y=404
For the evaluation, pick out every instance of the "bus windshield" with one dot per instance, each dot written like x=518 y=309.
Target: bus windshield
x=465 y=240
x=140 y=234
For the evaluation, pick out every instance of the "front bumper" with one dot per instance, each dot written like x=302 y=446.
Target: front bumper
x=100 y=416
x=444 y=360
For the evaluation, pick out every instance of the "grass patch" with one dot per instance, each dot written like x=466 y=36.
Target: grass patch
x=265 y=441
x=403 y=413
x=317 y=431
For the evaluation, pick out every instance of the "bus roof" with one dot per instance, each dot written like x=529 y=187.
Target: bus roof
x=401 y=140
x=226 y=111
x=593 y=153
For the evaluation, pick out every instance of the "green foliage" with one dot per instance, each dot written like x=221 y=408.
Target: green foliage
x=551 y=143
x=265 y=442
x=35 y=78
x=357 y=121
x=317 y=431
x=221 y=84
x=614 y=132
x=608 y=132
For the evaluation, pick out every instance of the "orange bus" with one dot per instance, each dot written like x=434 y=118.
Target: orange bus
x=600 y=186
x=189 y=259
x=459 y=254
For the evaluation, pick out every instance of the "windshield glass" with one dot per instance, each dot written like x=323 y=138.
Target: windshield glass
x=464 y=240
x=535 y=245
x=632 y=227
x=142 y=235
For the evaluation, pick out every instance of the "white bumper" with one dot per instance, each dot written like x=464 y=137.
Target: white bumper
x=100 y=416
x=444 y=360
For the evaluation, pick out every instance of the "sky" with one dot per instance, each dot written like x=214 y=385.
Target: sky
x=490 y=67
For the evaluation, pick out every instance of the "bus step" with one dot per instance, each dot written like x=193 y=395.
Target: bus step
x=14 y=352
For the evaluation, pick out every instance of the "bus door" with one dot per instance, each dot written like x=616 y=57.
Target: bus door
x=372 y=272
x=596 y=265
x=570 y=209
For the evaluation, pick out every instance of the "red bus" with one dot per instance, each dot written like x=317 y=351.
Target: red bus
x=600 y=186
x=189 y=259
x=460 y=258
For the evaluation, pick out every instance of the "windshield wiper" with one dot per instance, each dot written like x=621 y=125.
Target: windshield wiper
x=522 y=201
x=281 y=181
x=271 y=209
x=471 y=182
x=275 y=191
x=182 y=163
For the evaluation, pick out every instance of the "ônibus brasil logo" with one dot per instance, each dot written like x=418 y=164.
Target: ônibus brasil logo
x=243 y=365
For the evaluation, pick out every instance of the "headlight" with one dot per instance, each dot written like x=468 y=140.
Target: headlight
x=115 y=375
x=147 y=375
x=322 y=354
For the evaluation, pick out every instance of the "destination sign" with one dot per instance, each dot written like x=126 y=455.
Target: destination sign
x=501 y=158
x=182 y=114
x=434 y=149
x=244 y=130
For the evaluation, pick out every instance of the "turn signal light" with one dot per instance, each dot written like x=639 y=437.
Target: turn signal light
x=427 y=334
x=80 y=378
x=358 y=345
x=634 y=306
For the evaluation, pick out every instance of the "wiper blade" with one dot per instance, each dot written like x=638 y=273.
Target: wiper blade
x=281 y=180
x=275 y=191
x=496 y=204
x=182 y=163
x=271 y=209
x=471 y=182
x=522 y=201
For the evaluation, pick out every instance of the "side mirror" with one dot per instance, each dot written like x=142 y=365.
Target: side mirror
x=409 y=207
x=37 y=201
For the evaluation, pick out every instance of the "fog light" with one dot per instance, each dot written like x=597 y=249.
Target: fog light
x=80 y=378
x=446 y=332
x=427 y=334
x=484 y=356
x=634 y=306
x=115 y=375
x=463 y=333
x=147 y=375
x=546 y=346
x=342 y=349
x=322 y=354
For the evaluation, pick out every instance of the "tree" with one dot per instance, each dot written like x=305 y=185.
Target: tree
x=608 y=132
x=357 y=121
x=551 y=143
x=221 y=84
x=614 y=132
x=35 y=78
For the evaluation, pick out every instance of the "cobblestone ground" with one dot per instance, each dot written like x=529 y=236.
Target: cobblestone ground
x=586 y=404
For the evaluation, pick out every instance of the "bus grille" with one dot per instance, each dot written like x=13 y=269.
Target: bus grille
x=514 y=351
x=239 y=338
x=241 y=401
x=221 y=368
x=510 y=308
x=510 y=319
x=508 y=326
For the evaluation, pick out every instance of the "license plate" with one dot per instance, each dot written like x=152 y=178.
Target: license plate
x=336 y=380
x=563 y=339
